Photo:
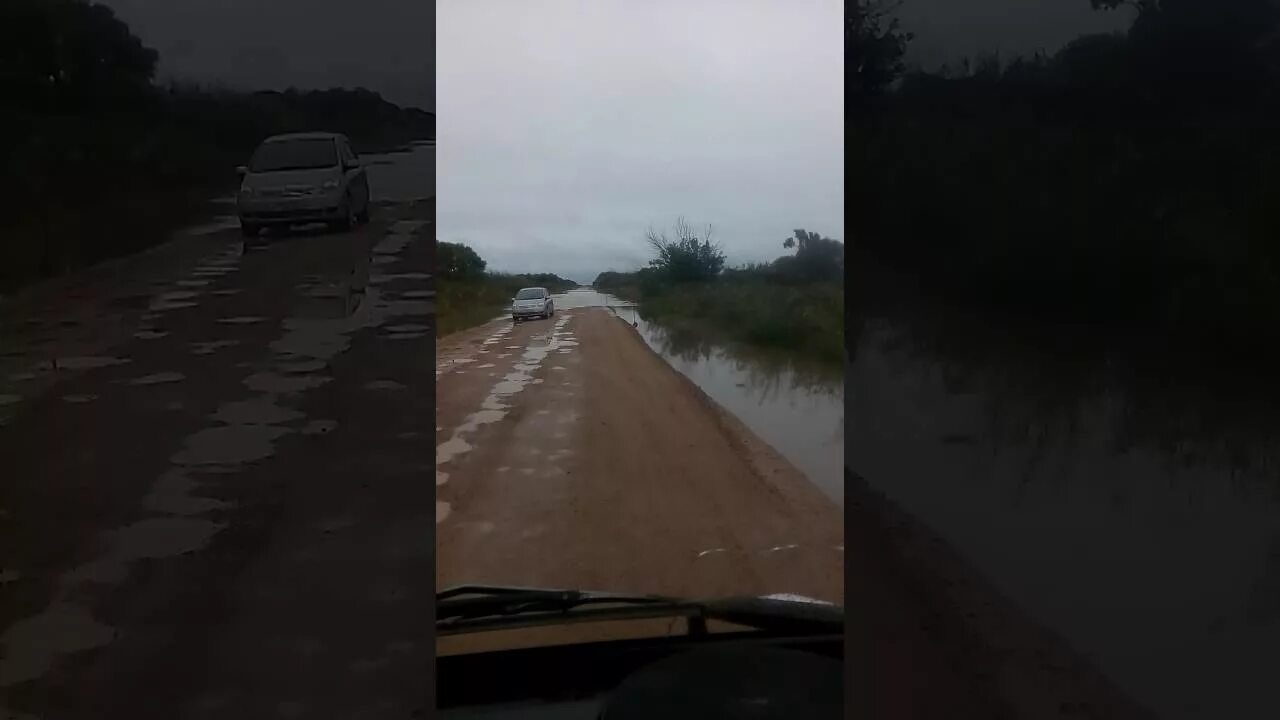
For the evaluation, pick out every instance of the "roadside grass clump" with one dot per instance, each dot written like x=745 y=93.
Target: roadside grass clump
x=793 y=304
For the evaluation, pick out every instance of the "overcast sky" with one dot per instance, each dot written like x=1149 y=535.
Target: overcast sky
x=384 y=45
x=567 y=128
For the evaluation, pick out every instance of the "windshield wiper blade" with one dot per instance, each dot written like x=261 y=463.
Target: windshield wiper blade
x=475 y=606
x=477 y=601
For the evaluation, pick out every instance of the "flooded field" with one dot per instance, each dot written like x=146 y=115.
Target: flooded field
x=1137 y=518
x=798 y=409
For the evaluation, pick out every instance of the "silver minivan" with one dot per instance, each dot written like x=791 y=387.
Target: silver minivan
x=303 y=178
x=532 y=302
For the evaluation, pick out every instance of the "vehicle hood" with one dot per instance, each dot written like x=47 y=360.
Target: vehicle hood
x=285 y=180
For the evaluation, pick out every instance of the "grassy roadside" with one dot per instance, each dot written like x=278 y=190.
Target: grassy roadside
x=805 y=321
x=54 y=241
x=793 y=304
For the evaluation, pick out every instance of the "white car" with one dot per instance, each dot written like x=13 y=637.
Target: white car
x=532 y=302
x=303 y=178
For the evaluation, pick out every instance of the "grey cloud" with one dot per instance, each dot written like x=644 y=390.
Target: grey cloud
x=566 y=129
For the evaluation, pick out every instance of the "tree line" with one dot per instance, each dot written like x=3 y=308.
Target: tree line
x=690 y=257
x=1128 y=180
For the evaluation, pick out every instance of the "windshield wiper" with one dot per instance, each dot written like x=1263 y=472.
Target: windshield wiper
x=469 y=602
x=475 y=607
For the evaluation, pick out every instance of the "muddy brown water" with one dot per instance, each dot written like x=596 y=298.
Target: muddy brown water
x=797 y=408
x=1139 y=520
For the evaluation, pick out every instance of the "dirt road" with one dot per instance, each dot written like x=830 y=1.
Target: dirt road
x=213 y=499
x=570 y=455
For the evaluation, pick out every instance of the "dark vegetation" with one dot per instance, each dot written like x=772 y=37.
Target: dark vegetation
x=100 y=160
x=1128 y=183
x=794 y=303
x=468 y=295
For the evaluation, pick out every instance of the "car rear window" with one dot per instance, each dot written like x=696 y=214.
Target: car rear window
x=530 y=294
x=294 y=155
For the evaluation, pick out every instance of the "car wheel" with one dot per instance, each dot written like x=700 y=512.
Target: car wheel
x=362 y=217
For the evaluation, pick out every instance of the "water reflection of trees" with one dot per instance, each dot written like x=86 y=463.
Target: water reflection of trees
x=1048 y=390
x=766 y=376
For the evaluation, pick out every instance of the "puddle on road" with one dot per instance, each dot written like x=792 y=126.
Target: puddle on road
x=150 y=334
x=207 y=348
x=319 y=427
x=158 y=378
x=450 y=448
x=173 y=305
x=229 y=445
x=171 y=495
x=302 y=367
x=241 y=320
x=269 y=382
x=76 y=399
x=255 y=411
x=151 y=538
x=495 y=407
x=442 y=511
x=33 y=644
x=173 y=300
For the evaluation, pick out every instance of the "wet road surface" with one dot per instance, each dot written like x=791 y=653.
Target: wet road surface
x=570 y=455
x=214 y=494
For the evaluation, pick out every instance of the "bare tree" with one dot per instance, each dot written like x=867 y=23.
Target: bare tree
x=687 y=256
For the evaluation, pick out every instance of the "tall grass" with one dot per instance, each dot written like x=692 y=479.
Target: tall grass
x=806 y=320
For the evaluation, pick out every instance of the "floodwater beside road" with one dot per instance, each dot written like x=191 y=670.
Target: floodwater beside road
x=1139 y=520
x=797 y=408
